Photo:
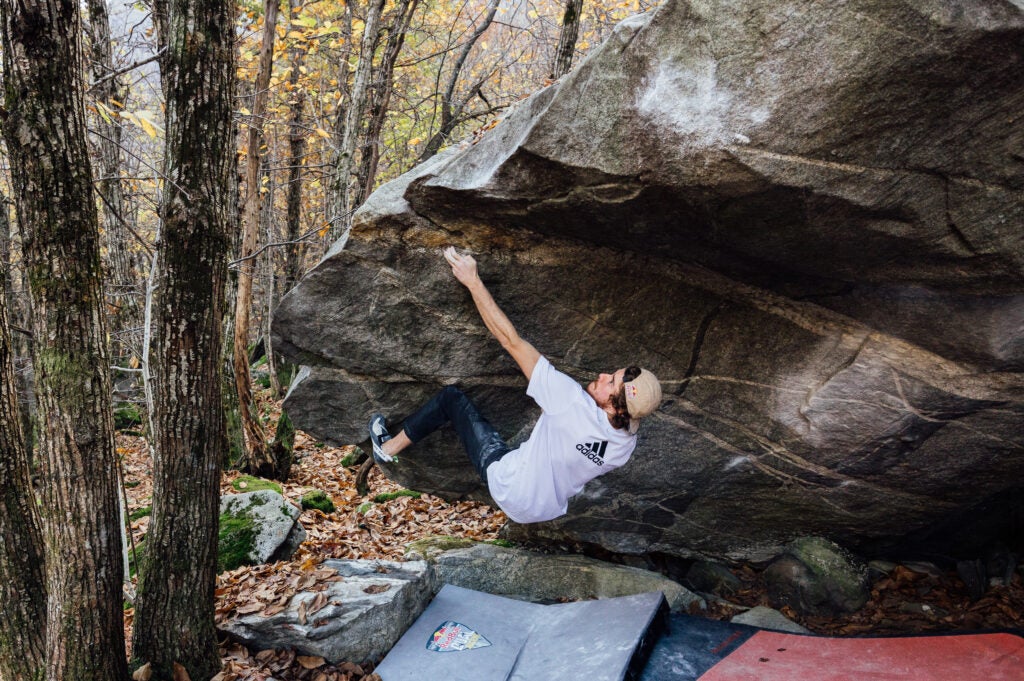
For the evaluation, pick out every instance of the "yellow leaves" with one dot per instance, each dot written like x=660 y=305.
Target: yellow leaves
x=414 y=141
x=143 y=119
x=104 y=113
x=296 y=35
x=322 y=133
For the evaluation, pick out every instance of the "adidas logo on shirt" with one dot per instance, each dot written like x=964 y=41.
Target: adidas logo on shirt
x=593 y=450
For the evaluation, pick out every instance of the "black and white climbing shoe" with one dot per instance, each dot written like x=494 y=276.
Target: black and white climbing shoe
x=378 y=436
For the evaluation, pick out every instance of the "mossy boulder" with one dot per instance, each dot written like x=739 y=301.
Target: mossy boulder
x=257 y=527
x=319 y=500
x=817 y=576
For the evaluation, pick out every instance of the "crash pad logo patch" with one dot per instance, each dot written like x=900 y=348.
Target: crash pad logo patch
x=452 y=637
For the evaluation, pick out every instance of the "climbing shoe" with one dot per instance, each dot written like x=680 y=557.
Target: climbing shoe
x=378 y=436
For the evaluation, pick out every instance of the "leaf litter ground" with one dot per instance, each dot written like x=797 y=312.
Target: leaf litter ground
x=902 y=603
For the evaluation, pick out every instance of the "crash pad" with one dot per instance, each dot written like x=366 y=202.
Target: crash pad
x=466 y=635
x=695 y=649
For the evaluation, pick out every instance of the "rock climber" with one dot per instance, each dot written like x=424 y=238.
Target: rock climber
x=581 y=433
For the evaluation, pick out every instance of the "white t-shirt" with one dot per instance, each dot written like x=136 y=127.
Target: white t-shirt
x=572 y=443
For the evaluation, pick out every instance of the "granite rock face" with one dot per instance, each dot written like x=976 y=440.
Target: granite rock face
x=804 y=217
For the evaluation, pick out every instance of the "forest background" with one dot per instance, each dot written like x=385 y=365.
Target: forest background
x=170 y=171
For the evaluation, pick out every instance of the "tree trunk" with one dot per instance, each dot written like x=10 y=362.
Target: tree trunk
x=258 y=458
x=380 y=96
x=450 y=109
x=295 y=250
x=342 y=201
x=174 y=619
x=46 y=140
x=567 y=38
x=17 y=314
x=22 y=586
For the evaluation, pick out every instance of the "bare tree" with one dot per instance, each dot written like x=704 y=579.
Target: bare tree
x=174 y=621
x=451 y=109
x=258 y=458
x=379 y=97
x=295 y=249
x=343 y=193
x=46 y=140
x=122 y=276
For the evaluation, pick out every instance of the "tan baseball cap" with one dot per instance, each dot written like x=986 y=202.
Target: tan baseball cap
x=643 y=395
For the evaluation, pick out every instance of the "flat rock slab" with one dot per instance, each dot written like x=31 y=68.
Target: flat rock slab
x=355 y=619
x=467 y=635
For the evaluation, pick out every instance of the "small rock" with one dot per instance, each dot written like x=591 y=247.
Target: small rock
x=880 y=568
x=923 y=609
x=766 y=618
x=712 y=578
x=925 y=568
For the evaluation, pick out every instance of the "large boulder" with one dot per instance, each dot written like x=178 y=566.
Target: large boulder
x=804 y=217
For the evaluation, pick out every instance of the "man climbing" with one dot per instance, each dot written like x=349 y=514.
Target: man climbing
x=580 y=434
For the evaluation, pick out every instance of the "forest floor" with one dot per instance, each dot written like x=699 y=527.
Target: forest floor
x=905 y=602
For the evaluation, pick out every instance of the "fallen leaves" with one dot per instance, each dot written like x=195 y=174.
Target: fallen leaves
x=381 y=531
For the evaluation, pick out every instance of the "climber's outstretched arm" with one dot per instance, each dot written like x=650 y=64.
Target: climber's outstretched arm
x=464 y=269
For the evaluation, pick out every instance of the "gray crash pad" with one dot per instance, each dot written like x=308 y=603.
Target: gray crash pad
x=467 y=635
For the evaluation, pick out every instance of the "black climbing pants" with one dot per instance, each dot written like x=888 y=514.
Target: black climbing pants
x=481 y=441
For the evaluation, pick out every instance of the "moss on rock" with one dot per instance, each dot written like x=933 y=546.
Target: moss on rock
x=429 y=547
x=319 y=500
x=249 y=483
x=235 y=543
x=388 y=496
